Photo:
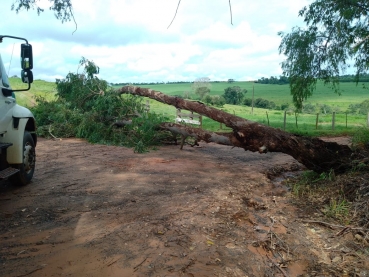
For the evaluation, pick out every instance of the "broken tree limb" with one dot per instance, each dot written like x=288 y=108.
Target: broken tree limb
x=200 y=134
x=314 y=153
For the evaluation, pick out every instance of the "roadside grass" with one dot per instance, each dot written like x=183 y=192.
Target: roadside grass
x=38 y=88
x=323 y=193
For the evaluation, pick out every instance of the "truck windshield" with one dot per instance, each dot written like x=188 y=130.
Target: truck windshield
x=3 y=75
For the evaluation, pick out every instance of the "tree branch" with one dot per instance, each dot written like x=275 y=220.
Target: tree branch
x=179 y=2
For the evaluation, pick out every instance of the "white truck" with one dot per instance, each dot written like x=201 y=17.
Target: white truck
x=17 y=124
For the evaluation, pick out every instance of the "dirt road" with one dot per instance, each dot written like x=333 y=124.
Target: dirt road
x=95 y=210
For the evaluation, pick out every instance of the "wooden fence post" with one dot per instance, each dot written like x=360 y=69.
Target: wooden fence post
x=284 y=120
x=296 y=120
x=333 y=120
x=267 y=117
x=317 y=121
x=252 y=102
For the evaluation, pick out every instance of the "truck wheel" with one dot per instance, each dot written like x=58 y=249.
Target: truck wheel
x=27 y=168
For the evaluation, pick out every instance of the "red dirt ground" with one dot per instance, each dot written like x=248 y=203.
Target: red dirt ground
x=96 y=210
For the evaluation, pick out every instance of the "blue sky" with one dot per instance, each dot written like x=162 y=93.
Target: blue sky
x=130 y=42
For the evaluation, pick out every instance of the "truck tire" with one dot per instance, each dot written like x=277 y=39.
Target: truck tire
x=27 y=168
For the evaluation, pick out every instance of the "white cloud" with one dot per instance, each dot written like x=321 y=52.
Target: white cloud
x=129 y=39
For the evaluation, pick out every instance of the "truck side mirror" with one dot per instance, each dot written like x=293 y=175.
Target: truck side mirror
x=27 y=76
x=26 y=57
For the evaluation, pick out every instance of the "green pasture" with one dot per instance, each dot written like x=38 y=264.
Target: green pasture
x=345 y=124
x=280 y=94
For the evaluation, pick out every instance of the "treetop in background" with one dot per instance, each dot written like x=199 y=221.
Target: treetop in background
x=335 y=38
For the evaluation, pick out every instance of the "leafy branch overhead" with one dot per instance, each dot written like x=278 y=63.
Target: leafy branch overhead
x=336 y=37
x=61 y=8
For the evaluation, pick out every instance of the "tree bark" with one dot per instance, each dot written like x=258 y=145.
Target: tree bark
x=314 y=153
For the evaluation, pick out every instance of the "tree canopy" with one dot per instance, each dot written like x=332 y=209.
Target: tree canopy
x=336 y=37
x=234 y=95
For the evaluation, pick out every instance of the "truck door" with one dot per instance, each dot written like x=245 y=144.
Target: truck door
x=7 y=102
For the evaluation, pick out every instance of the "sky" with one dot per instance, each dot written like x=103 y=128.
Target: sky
x=130 y=40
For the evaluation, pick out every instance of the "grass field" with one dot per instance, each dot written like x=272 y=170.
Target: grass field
x=38 y=87
x=280 y=94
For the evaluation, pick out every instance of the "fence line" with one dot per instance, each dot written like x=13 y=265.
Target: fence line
x=333 y=121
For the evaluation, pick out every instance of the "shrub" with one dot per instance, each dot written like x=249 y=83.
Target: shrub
x=234 y=95
x=247 y=102
x=87 y=108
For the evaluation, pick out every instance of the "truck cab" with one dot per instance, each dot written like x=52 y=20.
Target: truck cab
x=17 y=124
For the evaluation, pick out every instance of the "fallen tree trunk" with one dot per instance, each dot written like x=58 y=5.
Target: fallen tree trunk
x=314 y=153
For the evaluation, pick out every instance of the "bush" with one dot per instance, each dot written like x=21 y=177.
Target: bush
x=285 y=106
x=87 y=108
x=309 y=108
x=247 y=102
x=234 y=95
x=361 y=138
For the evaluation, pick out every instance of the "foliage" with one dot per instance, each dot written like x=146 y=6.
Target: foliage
x=247 y=102
x=360 y=139
x=282 y=80
x=260 y=103
x=87 y=108
x=203 y=82
x=364 y=78
x=338 y=209
x=62 y=8
x=361 y=108
x=337 y=32
x=216 y=100
x=56 y=118
x=309 y=108
x=202 y=91
x=234 y=95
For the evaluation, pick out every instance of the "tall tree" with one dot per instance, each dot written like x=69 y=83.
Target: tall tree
x=234 y=95
x=335 y=38
x=202 y=82
x=202 y=91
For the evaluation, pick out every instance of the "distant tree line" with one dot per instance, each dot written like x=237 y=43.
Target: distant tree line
x=150 y=83
x=364 y=78
x=282 y=80
x=161 y=83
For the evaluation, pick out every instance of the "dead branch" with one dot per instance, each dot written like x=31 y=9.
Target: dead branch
x=121 y=123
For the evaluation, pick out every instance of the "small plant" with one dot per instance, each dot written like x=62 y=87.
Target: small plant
x=338 y=209
x=303 y=186
x=330 y=176
x=360 y=138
